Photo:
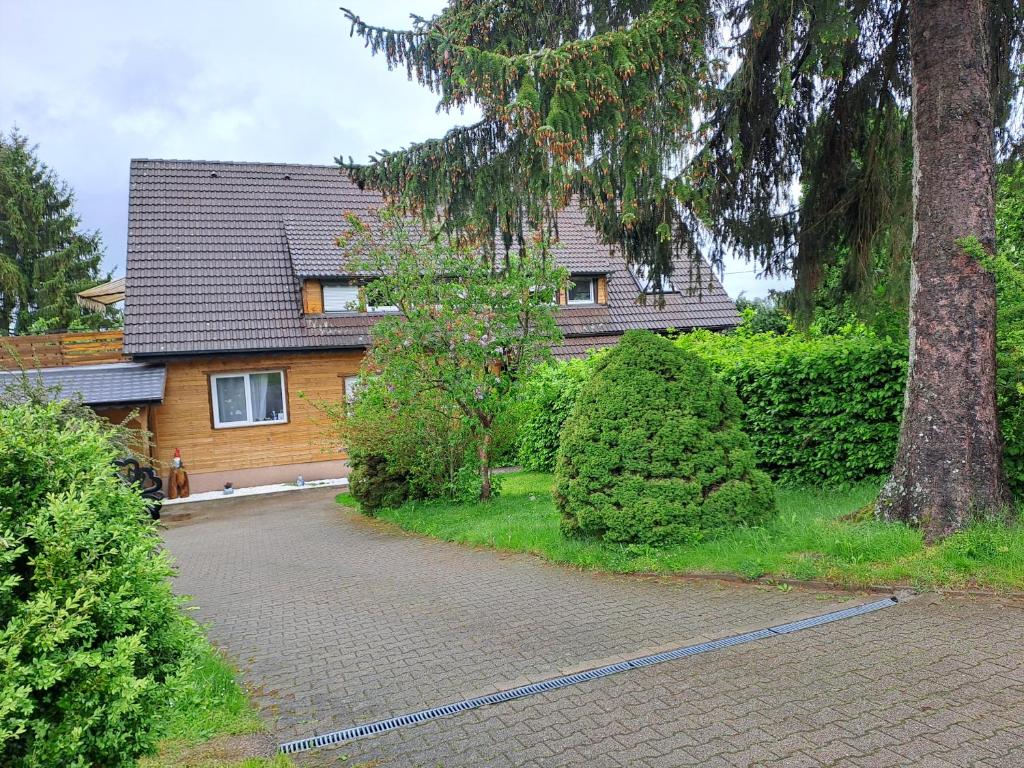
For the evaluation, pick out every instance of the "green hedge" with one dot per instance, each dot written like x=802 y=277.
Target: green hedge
x=653 y=453
x=548 y=398
x=820 y=410
x=90 y=633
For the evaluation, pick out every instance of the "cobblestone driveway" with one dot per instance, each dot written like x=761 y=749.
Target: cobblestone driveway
x=337 y=621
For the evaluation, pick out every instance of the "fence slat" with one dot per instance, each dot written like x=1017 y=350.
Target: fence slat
x=57 y=349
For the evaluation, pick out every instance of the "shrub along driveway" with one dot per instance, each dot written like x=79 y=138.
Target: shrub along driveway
x=338 y=621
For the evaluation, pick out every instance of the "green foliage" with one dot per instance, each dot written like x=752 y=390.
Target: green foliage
x=762 y=316
x=1008 y=267
x=27 y=388
x=401 y=447
x=653 y=453
x=90 y=632
x=375 y=483
x=802 y=160
x=810 y=538
x=207 y=701
x=588 y=101
x=819 y=409
x=45 y=259
x=450 y=360
x=549 y=395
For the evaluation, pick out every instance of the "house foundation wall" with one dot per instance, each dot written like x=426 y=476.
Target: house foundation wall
x=200 y=482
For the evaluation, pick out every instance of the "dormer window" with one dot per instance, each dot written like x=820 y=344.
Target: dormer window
x=340 y=297
x=582 y=290
x=642 y=274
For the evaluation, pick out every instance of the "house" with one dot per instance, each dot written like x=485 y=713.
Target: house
x=236 y=288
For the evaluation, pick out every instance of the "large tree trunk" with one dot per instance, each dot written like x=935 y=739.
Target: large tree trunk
x=949 y=465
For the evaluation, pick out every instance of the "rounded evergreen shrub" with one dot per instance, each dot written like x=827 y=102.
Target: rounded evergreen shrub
x=90 y=633
x=652 y=452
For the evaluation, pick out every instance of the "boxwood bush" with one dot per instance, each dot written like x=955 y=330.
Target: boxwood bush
x=90 y=632
x=653 y=453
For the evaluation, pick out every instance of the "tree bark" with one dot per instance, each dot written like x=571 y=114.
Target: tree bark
x=948 y=468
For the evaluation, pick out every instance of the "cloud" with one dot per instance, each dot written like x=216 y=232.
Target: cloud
x=96 y=84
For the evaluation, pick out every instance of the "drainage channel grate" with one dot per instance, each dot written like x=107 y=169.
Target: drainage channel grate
x=554 y=683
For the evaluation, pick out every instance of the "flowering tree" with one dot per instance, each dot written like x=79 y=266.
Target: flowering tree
x=464 y=330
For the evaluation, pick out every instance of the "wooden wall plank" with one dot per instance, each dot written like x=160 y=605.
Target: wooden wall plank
x=312 y=297
x=184 y=419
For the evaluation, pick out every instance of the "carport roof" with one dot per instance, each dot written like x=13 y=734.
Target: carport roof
x=105 y=384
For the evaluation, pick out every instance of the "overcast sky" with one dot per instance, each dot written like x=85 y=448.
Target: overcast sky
x=95 y=84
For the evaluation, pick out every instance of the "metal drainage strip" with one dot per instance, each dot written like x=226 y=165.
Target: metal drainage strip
x=554 y=683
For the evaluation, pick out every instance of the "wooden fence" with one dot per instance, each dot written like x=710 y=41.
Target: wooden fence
x=57 y=349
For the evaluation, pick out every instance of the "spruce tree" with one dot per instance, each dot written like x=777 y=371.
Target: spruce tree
x=779 y=130
x=45 y=257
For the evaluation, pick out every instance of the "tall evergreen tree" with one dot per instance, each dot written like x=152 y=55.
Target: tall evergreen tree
x=777 y=129
x=949 y=463
x=45 y=257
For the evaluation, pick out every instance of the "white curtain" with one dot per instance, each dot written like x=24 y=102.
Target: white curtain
x=259 y=383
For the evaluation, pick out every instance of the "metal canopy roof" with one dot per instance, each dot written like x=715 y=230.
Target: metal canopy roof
x=106 y=384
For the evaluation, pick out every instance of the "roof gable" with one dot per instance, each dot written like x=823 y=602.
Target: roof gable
x=217 y=251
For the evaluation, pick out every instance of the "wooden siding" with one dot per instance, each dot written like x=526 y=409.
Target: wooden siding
x=184 y=420
x=139 y=422
x=57 y=349
x=312 y=297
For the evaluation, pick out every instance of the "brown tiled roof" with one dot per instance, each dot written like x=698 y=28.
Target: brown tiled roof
x=580 y=346
x=217 y=253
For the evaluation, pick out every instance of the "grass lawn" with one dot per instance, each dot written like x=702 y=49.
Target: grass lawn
x=211 y=723
x=806 y=541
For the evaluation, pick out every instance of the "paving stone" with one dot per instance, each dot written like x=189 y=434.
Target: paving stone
x=336 y=620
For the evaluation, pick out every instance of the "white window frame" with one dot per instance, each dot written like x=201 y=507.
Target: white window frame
x=354 y=303
x=592 y=281
x=218 y=424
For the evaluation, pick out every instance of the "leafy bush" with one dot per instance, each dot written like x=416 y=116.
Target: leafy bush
x=375 y=484
x=549 y=395
x=763 y=315
x=89 y=629
x=403 y=447
x=465 y=331
x=820 y=410
x=1008 y=268
x=653 y=453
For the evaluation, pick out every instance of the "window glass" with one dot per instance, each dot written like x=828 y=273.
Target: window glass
x=267 y=393
x=230 y=396
x=581 y=291
x=351 y=389
x=249 y=398
x=341 y=298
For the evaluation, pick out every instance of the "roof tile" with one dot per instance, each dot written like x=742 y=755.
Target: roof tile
x=217 y=252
